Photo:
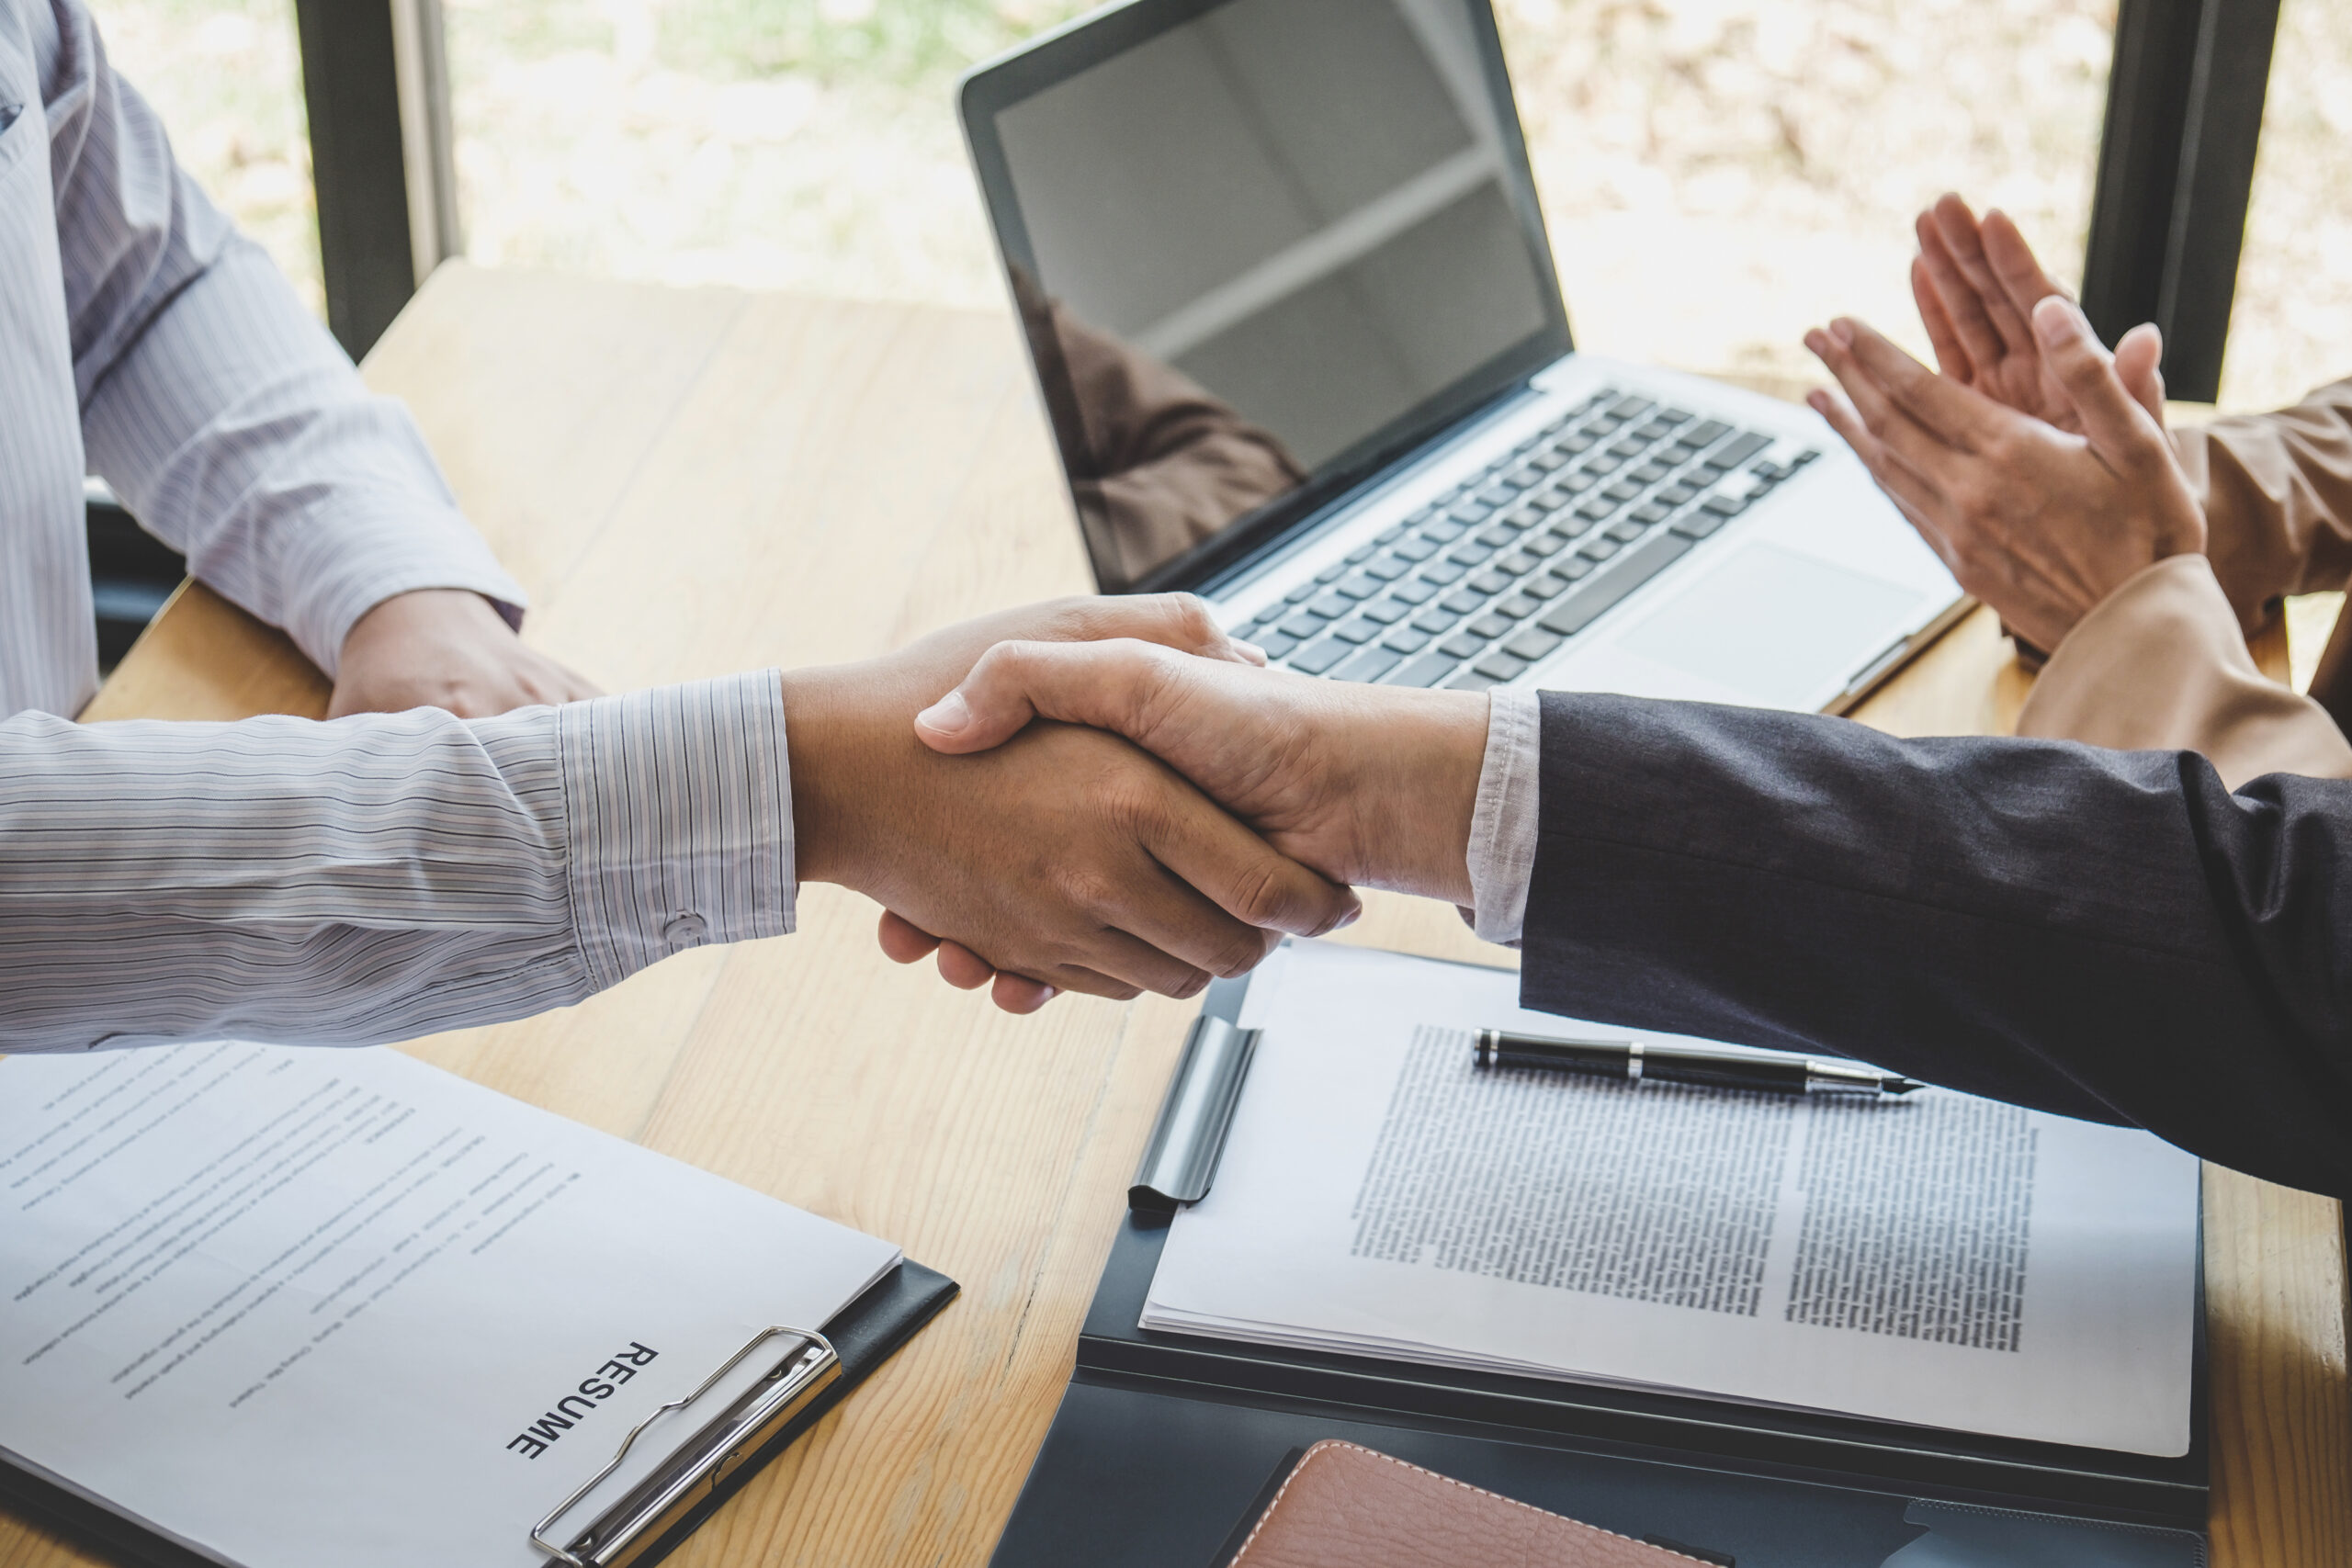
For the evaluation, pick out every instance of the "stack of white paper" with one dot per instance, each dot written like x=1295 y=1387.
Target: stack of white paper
x=1939 y=1259
x=291 y=1308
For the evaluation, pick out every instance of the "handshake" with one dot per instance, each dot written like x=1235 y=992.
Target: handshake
x=1110 y=795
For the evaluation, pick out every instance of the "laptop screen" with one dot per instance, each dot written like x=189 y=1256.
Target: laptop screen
x=1260 y=247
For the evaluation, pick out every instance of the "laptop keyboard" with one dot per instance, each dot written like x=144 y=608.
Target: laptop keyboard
x=1474 y=589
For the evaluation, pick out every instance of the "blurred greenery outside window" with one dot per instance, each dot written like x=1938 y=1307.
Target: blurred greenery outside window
x=1719 y=174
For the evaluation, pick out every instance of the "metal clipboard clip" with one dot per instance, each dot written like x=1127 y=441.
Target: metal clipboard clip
x=1186 y=1142
x=622 y=1533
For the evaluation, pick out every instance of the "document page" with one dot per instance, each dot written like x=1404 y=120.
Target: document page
x=296 y=1307
x=1936 y=1260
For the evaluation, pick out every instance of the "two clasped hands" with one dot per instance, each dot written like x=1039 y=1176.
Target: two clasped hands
x=1238 y=803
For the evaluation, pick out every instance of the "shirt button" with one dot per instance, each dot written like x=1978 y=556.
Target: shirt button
x=684 y=929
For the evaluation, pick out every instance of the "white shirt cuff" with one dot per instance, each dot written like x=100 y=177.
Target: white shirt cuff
x=680 y=806
x=1503 y=827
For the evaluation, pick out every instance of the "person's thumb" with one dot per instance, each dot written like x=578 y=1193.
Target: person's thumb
x=1108 y=685
x=2115 y=422
x=2139 y=360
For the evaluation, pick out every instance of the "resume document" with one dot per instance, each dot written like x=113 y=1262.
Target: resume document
x=1937 y=1260
x=295 y=1307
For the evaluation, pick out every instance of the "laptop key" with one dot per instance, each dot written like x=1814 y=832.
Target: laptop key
x=1317 y=656
x=1470 y=552
x=1676 y=495
x=1435 y=619
x=1501 y=666
x=1497 y=494
x=1369 y=664
x=1604 y=464
x=1732 y=454
x=1532 y=644
x=1696 y=524
x=1356 y=629
x=1405 y=640
x=1461 y=601
x=1300 y=623
x=1498 y=535
x=1333 y=573
x=1626 y=532
x=1490 y=582
x=1630 y=406
x=1725 y=505
x=1649 y=473
x=1596 y=508
x=1357 y=586
x=1331 y=606
x=1650 y=514
x=1362 y=553
x=1705 y=434
x=1442 y=532
x=1487 y=627
x=1602 y=590
x=1462 y=645
x=1622 y=492
x=1426 y=671
x=1629 y=448
x=1413 y=593
x=1598 y=548
x=1576 y=443
x=1412 y=551
x=1548 y=462
x=1471 y=681
x=1385 y=612
x=1389 y=535
x=1672 y=415
x=1470 y=513
x=1518 y=606
x=1299 y=595
x=1275 y=644
x=1443 y=573
x=1529 y=514
x=1519 y=563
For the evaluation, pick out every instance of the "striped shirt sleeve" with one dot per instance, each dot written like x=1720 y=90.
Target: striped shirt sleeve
x=382 y=877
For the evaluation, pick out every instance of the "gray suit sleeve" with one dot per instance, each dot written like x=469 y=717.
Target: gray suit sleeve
x=2102 y=934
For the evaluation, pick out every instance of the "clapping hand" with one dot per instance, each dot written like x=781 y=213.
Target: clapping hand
x=2039 y=518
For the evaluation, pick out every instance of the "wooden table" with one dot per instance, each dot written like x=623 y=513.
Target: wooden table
x=691 y=482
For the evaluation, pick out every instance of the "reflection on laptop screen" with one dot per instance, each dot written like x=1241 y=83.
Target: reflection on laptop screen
x=1267 y=242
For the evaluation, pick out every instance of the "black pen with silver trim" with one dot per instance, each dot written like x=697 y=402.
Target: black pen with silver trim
x=1629 y=1061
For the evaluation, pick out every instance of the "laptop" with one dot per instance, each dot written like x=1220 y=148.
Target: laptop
x=1294 y=316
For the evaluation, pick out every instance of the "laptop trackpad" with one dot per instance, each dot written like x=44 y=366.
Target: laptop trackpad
x=1774 y=625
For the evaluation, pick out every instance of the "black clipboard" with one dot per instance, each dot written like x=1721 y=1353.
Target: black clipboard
x=856 y=1341
x=1165 y=1442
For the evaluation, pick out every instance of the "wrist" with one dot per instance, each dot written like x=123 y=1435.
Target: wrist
x=1416 y=791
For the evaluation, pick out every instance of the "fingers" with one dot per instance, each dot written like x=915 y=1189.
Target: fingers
x=1916 y=500
x=1020 y=994
x=1951 y=355
x=2014 y=263
x=1955 y=415
x=902 y=941
x=1897 y=435
x=1109 y=685
x=1963 y=241
x=2117 y=426
x=1964 y=304
x=1180 y=621
x=2138 y=359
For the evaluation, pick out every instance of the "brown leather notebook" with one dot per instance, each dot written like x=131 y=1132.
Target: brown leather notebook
x=1347 y=1506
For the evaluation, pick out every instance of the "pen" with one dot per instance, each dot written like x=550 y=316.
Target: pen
x=1633 y=1062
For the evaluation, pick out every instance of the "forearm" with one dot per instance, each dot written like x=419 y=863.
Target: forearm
x=2277 y=494
x=2100 y=934
x=380 y=877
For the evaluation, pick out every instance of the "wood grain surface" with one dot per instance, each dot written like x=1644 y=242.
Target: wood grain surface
x=694 y=481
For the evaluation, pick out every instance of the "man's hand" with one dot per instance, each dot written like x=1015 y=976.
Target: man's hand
x=1369 y=784
x=2037 y=522
x=1067 y=860
x=1978 y=284
x=444 y=647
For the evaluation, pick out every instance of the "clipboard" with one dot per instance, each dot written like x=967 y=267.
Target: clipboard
x=709 y=1459
x=1165 y=1442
